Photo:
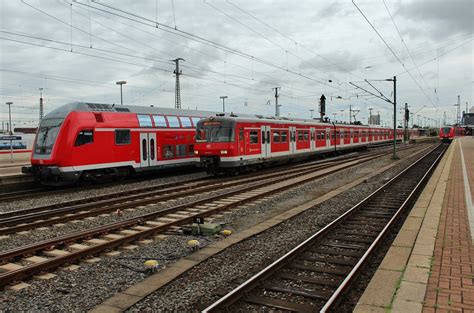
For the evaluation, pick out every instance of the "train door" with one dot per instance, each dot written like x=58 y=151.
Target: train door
x=328 y=137
x=147 y=149
x=266 y=141
x=292 y=139
x=342 y=134
x=312 y=138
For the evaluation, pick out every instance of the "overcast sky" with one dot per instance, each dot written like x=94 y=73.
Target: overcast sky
x=240 y=49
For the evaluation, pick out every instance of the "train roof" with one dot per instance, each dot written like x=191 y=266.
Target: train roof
x=272 y=119
x=64 y=110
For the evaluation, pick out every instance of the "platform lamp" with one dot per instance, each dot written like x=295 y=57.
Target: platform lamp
x=9 y=117
x=121 y=82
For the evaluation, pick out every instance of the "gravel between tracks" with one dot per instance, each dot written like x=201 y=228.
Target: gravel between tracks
x=92 y=192
x=93 y=283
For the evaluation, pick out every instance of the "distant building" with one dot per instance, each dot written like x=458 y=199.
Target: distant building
x=374 y=119
x=467 y=121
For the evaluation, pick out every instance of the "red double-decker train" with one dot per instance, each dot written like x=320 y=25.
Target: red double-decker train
x=238 y=144
x=448 y=133
x=100 y=141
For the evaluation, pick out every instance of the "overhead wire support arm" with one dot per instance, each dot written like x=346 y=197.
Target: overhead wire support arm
x=373 y=94
x=381 y=94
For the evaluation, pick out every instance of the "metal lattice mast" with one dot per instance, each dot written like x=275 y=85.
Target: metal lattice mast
x=177 y=72
x=277 y=106
x=41 y=105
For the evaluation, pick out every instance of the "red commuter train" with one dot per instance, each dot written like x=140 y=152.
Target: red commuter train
x=237 y=144
x=447 y=133
x=100 y=141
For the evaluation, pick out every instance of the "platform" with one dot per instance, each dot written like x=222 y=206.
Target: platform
x=429 y=267
x=10 y=172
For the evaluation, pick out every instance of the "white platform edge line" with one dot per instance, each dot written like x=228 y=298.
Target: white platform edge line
x=467 y=193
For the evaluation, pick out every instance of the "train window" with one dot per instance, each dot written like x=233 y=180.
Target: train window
x=241 y=134
x=173 y=121
x=152 y=149
x=305 y=135
x=144 y=120
x=181 y=151
x=122 y=136
x=195 y=120
x=300 y=135
x=190 y=150
x=144 y=153
x=283 y=137
x=168 y=152
x=160 y=121
x=276 y=136
x=185 y=121
x=253 y=137
x=84 y=137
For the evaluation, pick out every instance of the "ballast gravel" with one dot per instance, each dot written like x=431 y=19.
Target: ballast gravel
x=88 y=192
x=39 y=234
x=92 y=284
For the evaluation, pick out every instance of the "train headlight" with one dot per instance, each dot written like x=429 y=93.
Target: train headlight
x=196 y=152
x=223 y=151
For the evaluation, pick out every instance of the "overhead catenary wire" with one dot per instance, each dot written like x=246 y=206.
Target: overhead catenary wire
x=197 y=38
x=133 y=56
x=404 y=43
x=393 y=52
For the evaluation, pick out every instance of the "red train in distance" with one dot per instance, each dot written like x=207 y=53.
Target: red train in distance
x=448 y=133
x=93 y=141
x=238 y=144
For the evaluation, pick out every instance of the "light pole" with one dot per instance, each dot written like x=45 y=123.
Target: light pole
x=121 y=82
x=11 y=133
x=9 y=117
x=223 y=102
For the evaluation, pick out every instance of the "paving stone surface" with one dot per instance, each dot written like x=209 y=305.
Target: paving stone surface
x=450 y=285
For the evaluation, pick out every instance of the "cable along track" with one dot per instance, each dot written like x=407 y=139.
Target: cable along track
x=315 y=275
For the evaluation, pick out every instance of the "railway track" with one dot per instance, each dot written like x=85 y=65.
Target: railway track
x=23 y=194
x=29 y=191
x=16 y=221
x=315 y=275
x=24 y=262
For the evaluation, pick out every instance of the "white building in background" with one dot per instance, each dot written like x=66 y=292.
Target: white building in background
x=374 y=119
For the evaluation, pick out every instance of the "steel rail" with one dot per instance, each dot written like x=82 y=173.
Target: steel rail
x=358 y=267
x=33 y=220
x=234 y=295
x=28 y=271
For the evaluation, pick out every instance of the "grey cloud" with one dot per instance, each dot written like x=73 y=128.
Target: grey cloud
x=439 y=18
x=349 y=61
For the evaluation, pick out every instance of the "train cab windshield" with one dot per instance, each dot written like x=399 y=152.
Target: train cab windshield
x=446 y=130
x=214 y=131
x=47 y=133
